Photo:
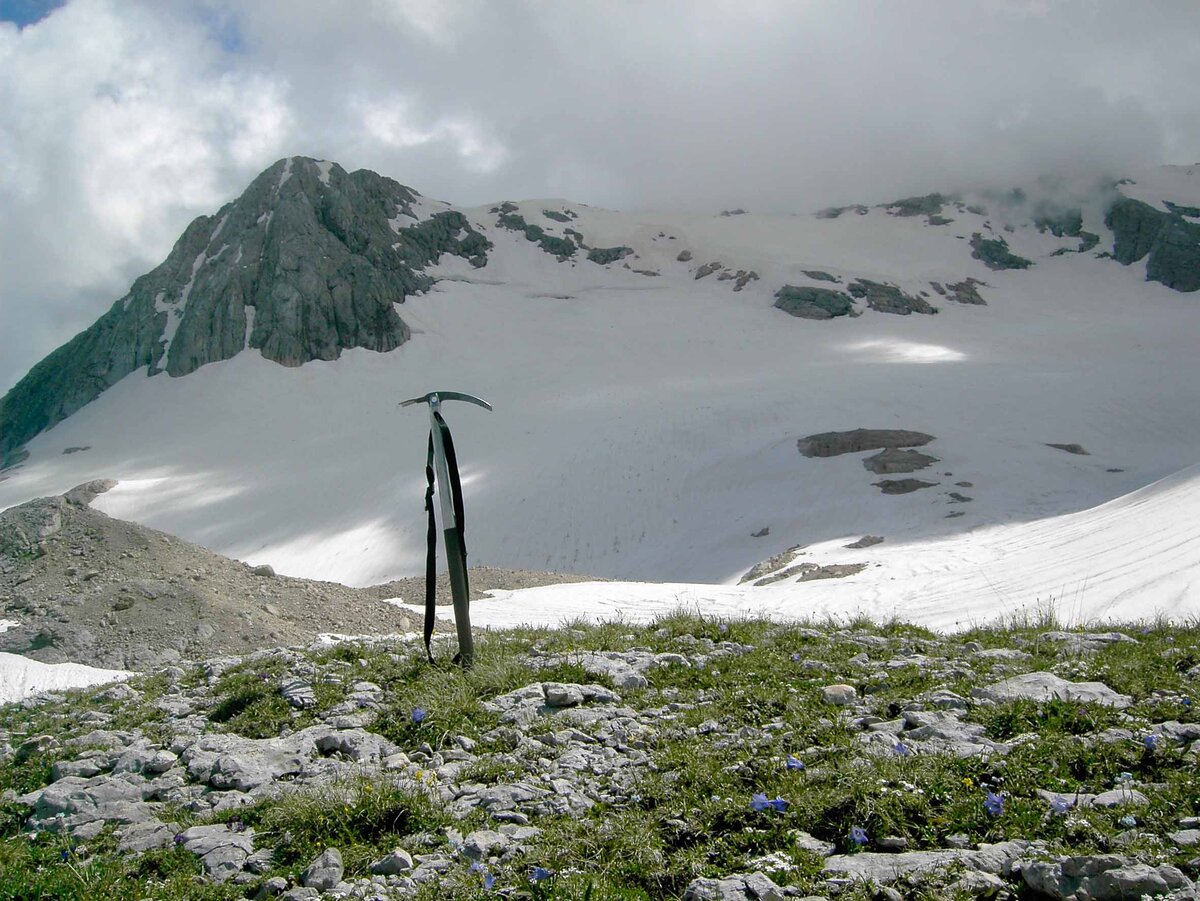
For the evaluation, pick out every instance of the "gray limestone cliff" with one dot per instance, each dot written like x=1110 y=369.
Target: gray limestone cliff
x=308 y=262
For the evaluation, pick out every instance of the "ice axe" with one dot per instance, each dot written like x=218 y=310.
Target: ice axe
x=441 y=461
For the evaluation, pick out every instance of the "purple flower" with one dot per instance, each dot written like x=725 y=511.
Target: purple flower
x=1186 y=702
x=858 y=835
x=236 y=826
x=476 y=867
x=759 y=802
x=1060 y=805
x=64 y=854
x=1151 y=742
x=794 y=763
x=796 y=658
x=540 y=874
x=179 y=838
x=994 y=804
x=724 y=628
x=418 y=715
x=902 y=749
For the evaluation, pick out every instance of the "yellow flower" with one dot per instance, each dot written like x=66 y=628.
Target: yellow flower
x=968 y=782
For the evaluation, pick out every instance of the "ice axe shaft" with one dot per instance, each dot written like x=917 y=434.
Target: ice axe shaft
x=449 y=490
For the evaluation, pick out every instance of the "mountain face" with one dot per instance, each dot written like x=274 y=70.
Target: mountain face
x=309 y=261
x=652 y=376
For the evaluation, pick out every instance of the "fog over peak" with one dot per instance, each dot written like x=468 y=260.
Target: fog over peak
x=121 y=121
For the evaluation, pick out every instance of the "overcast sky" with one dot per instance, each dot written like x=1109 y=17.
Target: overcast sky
x=121 y=120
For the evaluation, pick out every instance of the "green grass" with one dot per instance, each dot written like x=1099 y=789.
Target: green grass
x=690 y=814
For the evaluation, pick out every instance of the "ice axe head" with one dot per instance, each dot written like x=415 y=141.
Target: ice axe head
x=435 y=398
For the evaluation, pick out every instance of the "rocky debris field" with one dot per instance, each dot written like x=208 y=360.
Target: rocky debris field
x=87 y=588
x=692 y=758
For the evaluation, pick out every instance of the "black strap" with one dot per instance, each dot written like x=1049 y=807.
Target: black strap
x=455 y=489
x=430 y=552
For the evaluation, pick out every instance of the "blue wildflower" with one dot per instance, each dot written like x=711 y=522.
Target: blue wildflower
x=64 y=854
x=759 y=802
x=540 y=874
x=902 y=749
x=796 y=658
x=1151 y=742
x=418 y=715
x=724 y=628
x=476 y=867
x=994 y=804
x=179 y=838
x=489 y=881
x=858 y=835
x=794 y=763
x=1060 y=805
x=778 y=804
x=1186 y=702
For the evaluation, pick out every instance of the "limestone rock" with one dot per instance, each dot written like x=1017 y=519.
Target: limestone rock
x=1101 y=877
x=839 y=695
x=1042 y=686
x=325 y=871
x=396 y=863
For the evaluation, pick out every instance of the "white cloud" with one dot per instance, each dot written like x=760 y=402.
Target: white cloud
x=120 y=121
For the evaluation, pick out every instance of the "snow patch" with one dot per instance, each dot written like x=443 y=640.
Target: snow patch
x=21 y=677
x=250 y=311
x=217 y=230
x=323 y=169
x=6 y=624
x=285 y=174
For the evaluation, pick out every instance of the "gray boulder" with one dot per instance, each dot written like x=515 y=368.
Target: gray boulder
x=325 y=871
x=1042 y=686
x=813 y=303
x=221 y=850
x=1103 y=877
x=742 y=887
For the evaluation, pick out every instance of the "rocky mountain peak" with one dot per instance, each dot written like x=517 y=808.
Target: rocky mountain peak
x=309 y=261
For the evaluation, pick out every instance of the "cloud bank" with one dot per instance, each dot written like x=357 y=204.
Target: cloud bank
x=120 y=120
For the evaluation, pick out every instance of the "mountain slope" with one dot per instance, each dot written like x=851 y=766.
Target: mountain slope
x=307 y=262
x=650 y=394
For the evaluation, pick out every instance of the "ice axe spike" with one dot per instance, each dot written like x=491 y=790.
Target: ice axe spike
x=443 y=461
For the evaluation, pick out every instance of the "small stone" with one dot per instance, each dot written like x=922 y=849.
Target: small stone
x=1185 y=838
x=325 y=872
x=263 y=569
x=892 y=844
x=399 y=861
x=839 y=695
x=559 y=695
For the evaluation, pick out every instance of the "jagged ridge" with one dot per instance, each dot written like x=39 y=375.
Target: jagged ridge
x=314 y=260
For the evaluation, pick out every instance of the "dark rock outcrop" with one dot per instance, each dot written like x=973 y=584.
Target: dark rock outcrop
x=994 y=253
x=833 y=444
x=606 y=255
x=309 y=261
x=814 y=303
x=889 y=299
x=1170 y=241
x=893 y=460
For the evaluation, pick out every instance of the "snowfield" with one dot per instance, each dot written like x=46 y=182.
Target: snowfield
x=645 y=428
